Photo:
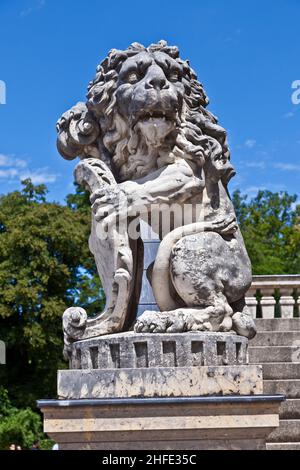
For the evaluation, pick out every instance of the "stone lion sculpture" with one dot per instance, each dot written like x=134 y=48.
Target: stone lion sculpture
x=145 y=140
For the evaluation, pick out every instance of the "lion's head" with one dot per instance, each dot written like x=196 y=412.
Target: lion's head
x=144 y=108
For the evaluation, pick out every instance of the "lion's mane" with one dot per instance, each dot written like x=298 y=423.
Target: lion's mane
x=109 y=136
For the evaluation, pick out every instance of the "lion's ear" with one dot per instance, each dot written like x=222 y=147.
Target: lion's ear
x=76 y=129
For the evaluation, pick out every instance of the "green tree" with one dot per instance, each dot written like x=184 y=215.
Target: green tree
x=45 y=267
x=270 y=226
x=20 y=427
x=90 y=294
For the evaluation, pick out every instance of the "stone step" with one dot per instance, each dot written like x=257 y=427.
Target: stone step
x=277 y=324
x=289 y=388
x=281 y=370
x=261 y=354
x=288 y=431
x=283 y=446
x=290 y=409
x=277 y=338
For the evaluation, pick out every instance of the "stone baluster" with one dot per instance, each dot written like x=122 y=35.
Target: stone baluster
x=286 y=302
x=251 y=303
x=268 y=302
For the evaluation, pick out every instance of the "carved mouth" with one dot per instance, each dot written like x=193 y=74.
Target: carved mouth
x=155 y=117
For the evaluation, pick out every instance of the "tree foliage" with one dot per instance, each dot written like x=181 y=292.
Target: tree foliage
x=45 y=267
x=19 y=427
x=270 y=226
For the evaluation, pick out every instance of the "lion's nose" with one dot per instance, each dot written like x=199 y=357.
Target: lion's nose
x=157 y=81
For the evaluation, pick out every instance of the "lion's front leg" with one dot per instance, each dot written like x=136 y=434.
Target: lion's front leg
x=174 y=183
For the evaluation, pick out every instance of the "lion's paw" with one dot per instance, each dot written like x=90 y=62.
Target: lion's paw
x=244 y=324
x=151 y=322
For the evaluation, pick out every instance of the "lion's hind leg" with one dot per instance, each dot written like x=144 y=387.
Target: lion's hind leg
x=184 y=319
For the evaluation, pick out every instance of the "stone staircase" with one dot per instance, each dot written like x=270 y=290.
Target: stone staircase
x=277 y=347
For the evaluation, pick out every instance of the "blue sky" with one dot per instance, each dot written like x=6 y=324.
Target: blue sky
x=246 y=53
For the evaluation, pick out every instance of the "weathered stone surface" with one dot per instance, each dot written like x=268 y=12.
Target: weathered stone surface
x=262 y=354
x=290 y=409
x=132 y=350
x=186 y=444
x=281 y=370
x=277 y=324
x=288 y=431
x=151 y=151
x=164 y=424
x=160 y=382
x=276 y=338
x=290 y=388
x=283 y=446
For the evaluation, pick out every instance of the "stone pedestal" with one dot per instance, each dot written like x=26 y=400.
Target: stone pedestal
x=191 y=390
x=231 y=422
x=160 y=365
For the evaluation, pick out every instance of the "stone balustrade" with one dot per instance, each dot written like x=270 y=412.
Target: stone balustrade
x=274 y=296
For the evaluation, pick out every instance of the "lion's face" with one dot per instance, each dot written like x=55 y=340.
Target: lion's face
x=150 y=92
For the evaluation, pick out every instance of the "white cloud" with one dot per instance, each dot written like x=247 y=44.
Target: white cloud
x=40 y=176
x=287 y=166
x=253 y=190
x=250 y=143
x=258 y=164
x=10 y=160
x=14 y=169
x=288 y=115
x=38 y=5
x=8 y=173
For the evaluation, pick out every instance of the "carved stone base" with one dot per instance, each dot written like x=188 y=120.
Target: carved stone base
x=162 y=423
x=160 y=382
x=142 y=350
